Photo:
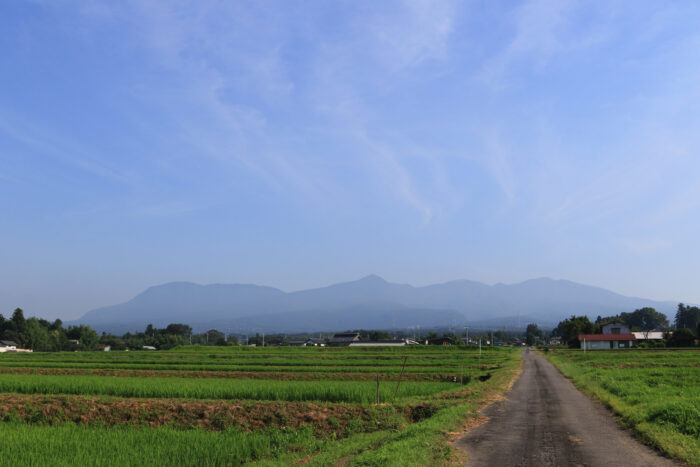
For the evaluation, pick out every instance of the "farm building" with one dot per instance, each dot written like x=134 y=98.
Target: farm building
x=614 y=336
x=440 y=341
x=8 y=346
x=649 y=336
x=315 y=342
x=393 y=343
x=296 y=343
x=616 y=328
x=344 y=338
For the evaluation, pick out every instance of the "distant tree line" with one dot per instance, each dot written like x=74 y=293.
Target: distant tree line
x=41 y=335
x=686 y=325
x=44 y=336
x=173 y=335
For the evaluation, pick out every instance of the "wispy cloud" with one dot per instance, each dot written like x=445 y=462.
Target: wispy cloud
x=496 y=161
x=416 y=31
x=644 y=245
x=543 y=30
x=49 y=144
x=395 y=174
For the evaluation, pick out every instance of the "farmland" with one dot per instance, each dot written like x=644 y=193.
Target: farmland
x=656 y=393
x=242 y=405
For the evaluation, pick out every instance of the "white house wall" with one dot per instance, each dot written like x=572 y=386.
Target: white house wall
x=591 y=345
x=594 y=345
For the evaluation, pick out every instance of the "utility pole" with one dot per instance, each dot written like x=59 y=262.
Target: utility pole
x=263 y=339
x=467 y=341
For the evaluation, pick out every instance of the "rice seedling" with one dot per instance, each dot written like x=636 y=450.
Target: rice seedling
x=329 y=391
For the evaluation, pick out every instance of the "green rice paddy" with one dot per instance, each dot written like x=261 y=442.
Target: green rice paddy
x=74 y=407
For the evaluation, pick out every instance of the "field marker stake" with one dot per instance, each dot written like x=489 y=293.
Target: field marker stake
x=377 y=388
x=400 y=376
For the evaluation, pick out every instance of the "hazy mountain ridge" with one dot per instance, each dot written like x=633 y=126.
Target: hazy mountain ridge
x=370 y=302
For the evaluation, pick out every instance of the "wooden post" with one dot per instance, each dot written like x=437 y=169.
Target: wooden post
x=378 y=388
x=400 y=376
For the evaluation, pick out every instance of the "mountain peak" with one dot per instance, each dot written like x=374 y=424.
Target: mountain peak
x=356 y=304
x=373 y=278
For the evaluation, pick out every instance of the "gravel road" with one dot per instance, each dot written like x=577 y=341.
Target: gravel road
x=546 y=421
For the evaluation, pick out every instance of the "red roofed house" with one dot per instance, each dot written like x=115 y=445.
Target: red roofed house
x=614 y=336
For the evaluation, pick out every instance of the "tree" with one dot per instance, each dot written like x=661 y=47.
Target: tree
x=570 y=328
x=88 y=337
x=37 y=337
x=607 y=320
x=681 y=338
x=500 y=335
x=379 y=336
x=687 y=317
x=113 y=342
x=532 y=334
x=212 y=336
x=18 y=324
x=646 y=319
x=258 y=340
x=178 y=329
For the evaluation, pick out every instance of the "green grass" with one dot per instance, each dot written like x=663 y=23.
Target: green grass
x=426 y=442
x=323 y=360
x=656 y=393
x=69 y=445
x=195 y=388
x=424 y=360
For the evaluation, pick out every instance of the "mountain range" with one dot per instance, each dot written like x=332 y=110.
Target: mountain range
x=368 y=303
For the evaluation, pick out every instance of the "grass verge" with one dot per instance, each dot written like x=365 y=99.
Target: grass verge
x=655 y=394
x=426 y=442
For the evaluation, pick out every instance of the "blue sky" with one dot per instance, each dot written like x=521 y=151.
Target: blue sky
x=296 y=144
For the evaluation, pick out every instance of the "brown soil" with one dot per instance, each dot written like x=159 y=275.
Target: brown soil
x=326 y=420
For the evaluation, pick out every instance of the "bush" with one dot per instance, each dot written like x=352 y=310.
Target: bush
x=683 y=337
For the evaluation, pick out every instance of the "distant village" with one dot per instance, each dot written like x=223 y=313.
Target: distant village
x=641 y=328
